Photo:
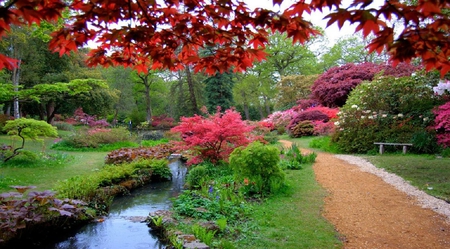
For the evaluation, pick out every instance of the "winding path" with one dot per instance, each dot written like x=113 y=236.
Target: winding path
x=370 y=213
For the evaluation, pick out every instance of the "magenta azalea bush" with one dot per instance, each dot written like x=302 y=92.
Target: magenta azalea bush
x=442 y=124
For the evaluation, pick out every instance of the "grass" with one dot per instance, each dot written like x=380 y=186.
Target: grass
x=428 y=173
x=44 y=176
x=293 y=219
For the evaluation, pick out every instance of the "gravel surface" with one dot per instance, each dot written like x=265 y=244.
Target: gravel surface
x=425 y=200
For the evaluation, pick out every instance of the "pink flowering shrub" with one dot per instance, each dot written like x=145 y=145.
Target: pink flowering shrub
x=213 y=137
x=89 y=120
x=442 y=124
x=280 y=119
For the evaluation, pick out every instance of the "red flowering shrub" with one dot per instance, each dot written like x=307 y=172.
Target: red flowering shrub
x=442 y=124
x=213 y=137
x=162 y=121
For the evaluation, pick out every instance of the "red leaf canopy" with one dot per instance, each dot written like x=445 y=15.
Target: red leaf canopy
x=169 y=33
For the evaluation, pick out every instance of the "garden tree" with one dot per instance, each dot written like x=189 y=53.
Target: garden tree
x=219 y=91
x=245 y=94
x=120 y=79
x=331 y=89
x=350 y=50
x=213 y=137
x=15 y=46
x=27 y=128
x=52 y=97
x=152 y=99
x=138 y=33
x=292 y=88
x=287 y=58
x=146 y=80
x=187 y=92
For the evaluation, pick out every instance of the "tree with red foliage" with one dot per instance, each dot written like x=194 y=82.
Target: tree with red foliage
x=331 y=89
x=213 y=137
x=169 y=33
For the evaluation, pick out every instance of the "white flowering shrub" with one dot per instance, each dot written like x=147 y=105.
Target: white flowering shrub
x=388 y=109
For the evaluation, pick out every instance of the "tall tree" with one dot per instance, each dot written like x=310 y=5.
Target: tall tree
x=219 y=91
x=156 y=32
x=120 y=78
x=292 y=88
x=350 y=50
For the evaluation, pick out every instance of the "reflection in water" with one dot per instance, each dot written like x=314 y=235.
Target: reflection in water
x=120 y=230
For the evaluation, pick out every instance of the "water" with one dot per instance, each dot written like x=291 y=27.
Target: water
x=122 y=227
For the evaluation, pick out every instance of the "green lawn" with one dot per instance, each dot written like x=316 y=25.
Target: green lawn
x=45 y=176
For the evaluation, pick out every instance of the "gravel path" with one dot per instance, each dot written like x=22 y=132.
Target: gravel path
x=371 y=208
x=424 y=199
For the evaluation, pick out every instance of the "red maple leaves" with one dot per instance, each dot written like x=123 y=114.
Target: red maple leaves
x=170 y=34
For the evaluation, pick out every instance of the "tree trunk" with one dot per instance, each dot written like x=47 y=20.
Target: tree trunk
x=51 y=111
x=15 y=81
x=190 y=82
x=245 y=106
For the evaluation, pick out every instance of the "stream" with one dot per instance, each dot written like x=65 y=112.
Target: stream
x=122 y=227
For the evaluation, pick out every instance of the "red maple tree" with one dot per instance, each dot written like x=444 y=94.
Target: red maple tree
x=169 y=33
x=213 y=137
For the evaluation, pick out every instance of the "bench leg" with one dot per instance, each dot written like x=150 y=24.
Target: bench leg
x=381 y=149
x=404 y=149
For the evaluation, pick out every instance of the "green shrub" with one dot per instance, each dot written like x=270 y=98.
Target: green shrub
x=63 y=126
x=301 y=129
x=325 y=144
x=292 y=158
x=94 y=138
x=196 y=176
x=257 y=166
x=151 y=143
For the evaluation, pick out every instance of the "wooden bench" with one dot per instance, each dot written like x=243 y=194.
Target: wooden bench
x=397 y=144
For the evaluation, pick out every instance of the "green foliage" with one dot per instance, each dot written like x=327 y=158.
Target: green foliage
x=95 y=138
x=292 y=158
x=387 y=110
x=64 y=146
x=151 y=143
x=257 y=166
x=324 y=144
x=31 y=159
x=28 y=128
x=219 y=91
x=203 y=234
x=63 y=126
x=85 y=187
x=196 y=176
x=302 y=129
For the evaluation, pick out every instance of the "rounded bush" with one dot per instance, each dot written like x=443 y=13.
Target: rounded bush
x=257 y=167
x=196 y=176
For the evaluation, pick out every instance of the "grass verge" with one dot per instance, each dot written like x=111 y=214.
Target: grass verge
x=428 y=173
x=293 y=219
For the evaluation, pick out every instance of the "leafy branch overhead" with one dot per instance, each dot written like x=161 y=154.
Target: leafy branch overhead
x=169 y=33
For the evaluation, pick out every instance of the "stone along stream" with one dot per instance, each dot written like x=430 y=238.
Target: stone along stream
x=123 y=228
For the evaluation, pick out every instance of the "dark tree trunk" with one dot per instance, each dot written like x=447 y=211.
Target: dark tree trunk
x=192 y=97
